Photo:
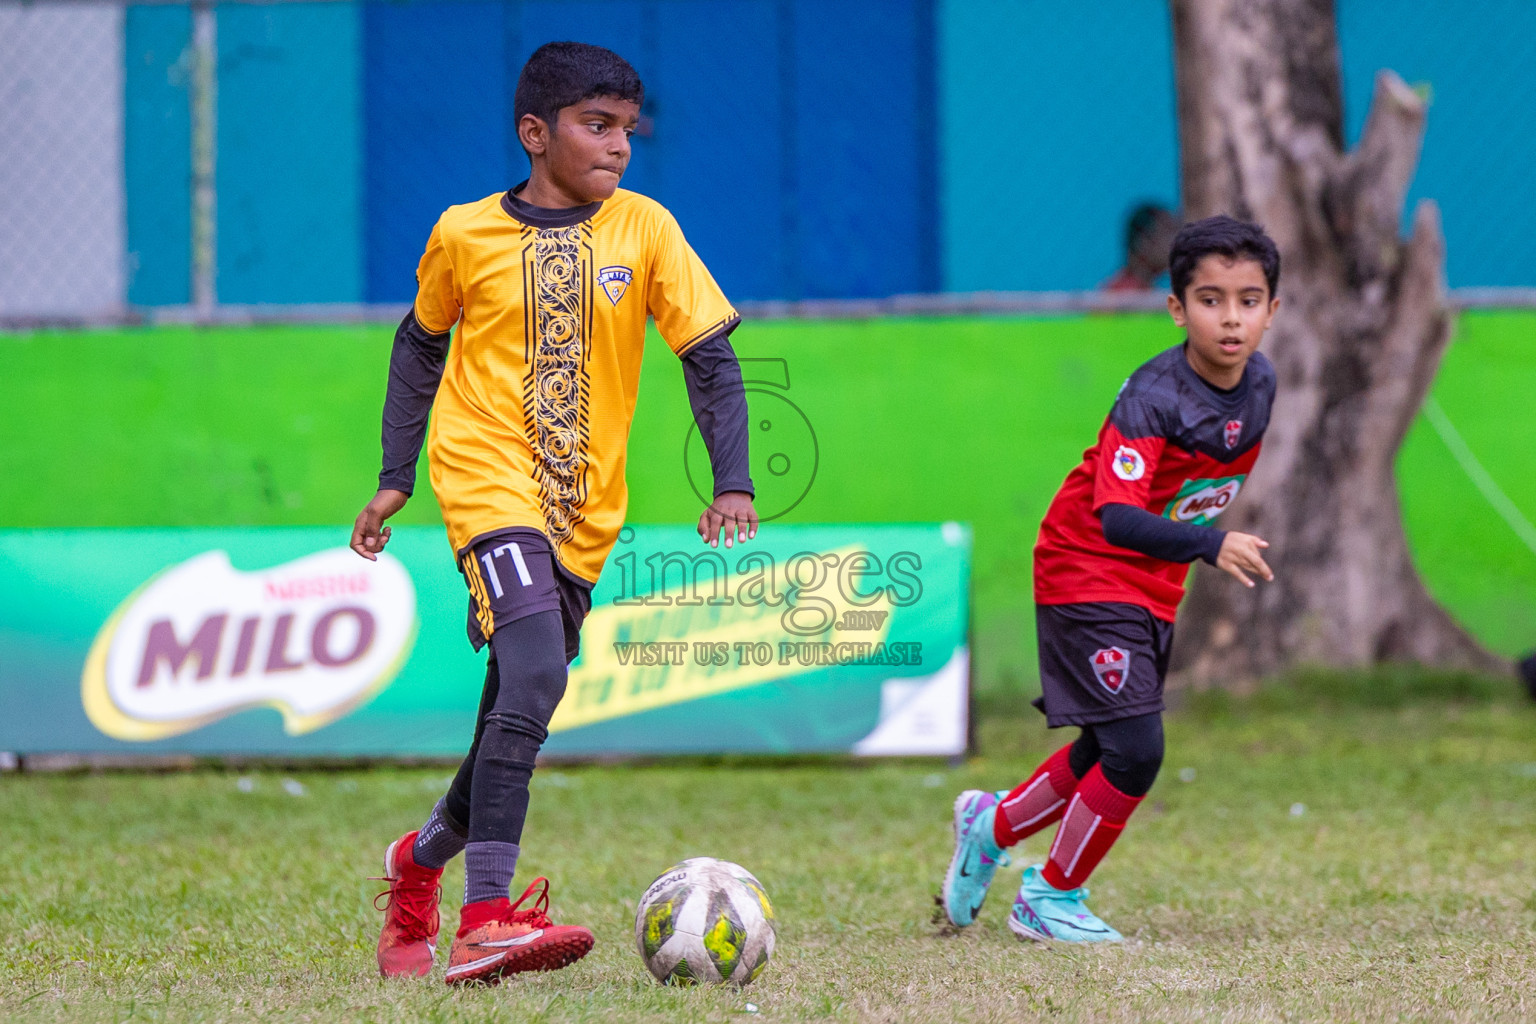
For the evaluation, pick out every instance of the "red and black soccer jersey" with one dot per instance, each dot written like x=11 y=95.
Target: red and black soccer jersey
x=1173 y=445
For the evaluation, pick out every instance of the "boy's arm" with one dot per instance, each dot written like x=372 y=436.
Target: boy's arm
x=1130 y=526
x=415 y=370
x=695 y=319
x=719 y=402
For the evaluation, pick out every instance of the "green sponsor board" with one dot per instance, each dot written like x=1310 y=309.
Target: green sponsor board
x=280 y=641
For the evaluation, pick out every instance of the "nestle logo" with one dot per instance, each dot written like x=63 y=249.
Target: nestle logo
x=337 y=585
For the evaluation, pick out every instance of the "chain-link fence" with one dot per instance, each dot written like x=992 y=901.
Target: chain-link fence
x=220 y=160
x=61 y=173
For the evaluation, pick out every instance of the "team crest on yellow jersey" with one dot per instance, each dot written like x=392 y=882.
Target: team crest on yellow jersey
x=614 y=282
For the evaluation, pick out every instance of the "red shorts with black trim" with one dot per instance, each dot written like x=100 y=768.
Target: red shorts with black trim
x=1100 y=662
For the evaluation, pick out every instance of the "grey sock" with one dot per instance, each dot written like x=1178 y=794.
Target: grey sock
x=439 y=840
x=488 y=869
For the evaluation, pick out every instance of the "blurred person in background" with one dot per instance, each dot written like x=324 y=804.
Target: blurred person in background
x=1149 y=231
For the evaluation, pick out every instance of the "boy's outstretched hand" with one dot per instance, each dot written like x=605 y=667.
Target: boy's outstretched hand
x=1244 y=551
x=369 y=534
x=730 y=513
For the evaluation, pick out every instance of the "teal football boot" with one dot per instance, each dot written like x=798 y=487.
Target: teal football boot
x=1042 y=911
x=977 y=856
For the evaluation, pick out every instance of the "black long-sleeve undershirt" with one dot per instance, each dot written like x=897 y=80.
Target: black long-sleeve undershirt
x=1126 y=526
x=415 y=370
x=719 y=402
x=710 y=370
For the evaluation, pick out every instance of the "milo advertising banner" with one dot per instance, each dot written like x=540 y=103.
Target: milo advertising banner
x=281 y=641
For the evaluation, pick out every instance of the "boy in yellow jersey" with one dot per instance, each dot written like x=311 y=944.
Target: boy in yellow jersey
x=550 y=285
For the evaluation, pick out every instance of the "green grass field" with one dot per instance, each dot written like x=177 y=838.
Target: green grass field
x=1343 y=849
x=915 y=420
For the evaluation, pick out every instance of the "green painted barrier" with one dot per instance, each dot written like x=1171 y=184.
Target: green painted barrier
x=279 y=641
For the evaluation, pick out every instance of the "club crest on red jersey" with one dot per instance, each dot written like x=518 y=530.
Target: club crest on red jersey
x=1113 y=666
x=1233 y=431
x=615 y=281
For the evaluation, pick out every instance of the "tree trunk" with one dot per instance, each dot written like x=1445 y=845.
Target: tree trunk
x=1362 y=325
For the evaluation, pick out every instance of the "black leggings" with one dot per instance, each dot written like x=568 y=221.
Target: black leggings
x=523 y=684
x=1130 y=751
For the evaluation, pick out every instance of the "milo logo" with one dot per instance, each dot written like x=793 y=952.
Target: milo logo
x=314 y=639
x=1200 y=501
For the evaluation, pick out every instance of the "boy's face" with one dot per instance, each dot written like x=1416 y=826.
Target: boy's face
x=1225 y=309
x=585 y=152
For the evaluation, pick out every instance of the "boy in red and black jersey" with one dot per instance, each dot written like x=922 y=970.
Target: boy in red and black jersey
x=1110 y=565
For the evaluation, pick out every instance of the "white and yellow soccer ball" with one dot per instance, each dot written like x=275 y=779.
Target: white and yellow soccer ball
x=705 y=921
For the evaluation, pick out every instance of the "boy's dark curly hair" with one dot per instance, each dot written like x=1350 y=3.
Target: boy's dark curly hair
x=560 y=74
x=1222 y=236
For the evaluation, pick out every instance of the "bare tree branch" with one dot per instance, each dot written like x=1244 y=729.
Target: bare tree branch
x=1415 y=336
x=1376 y=175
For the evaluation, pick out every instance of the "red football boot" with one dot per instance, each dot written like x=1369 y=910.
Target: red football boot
x=409 y=939
x=496 y=938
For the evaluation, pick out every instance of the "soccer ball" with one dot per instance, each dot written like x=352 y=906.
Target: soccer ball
x=705 y=921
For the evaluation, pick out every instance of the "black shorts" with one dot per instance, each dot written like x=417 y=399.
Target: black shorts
x=1100 y=662
x=512 y=574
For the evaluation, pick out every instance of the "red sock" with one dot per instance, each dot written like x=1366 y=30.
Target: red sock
x=1094 y=819
x=473 y=915
x=1036 y=802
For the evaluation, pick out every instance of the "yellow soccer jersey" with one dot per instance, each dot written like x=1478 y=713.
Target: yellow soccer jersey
x=531 y=422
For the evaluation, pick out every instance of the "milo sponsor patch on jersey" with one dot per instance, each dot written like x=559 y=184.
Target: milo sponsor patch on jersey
x=1200 y=501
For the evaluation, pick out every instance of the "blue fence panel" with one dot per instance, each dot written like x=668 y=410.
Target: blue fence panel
x=863 y=196
x=1478 y=147
x=809 y=149
x=1057 y=120
x=719 y=126
x=437 y=120
x=157 y=154
x=289 y=153
x=753 y=136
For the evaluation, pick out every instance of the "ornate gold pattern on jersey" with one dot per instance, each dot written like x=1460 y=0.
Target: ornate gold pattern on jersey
x=556 y=386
